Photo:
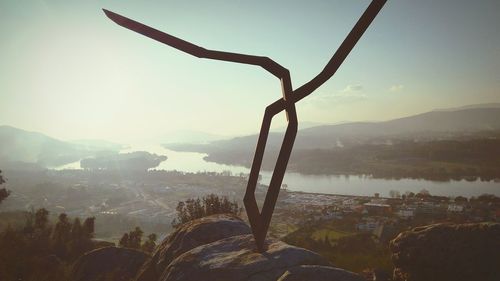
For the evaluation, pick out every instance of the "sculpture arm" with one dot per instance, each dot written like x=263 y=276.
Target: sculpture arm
x=195 y=50
x=342 y=52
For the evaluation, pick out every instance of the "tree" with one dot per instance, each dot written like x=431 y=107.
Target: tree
x=61 y=236
x=150 y=244
x=211 y=204
x=41 y=218
x=38 y=251
x=28 y=225
x=4 y=193
x=88 y=228
x=394 y=194
x=488 y=198
x=76 y=230
x=77 y=243
x=410 y=195
x=124 y=241
x=424 y=193
x=132 y=239
x=135 y=237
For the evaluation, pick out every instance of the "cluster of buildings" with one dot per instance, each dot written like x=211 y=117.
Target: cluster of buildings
x=385 y=217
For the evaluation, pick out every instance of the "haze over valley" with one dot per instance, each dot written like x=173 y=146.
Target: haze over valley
x=458 y=146
x=128 y=135
x=459 y=143
x=437 y=145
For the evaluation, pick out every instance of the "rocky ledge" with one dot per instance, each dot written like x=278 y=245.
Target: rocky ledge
x=214 y=248
x=99 y=264
x=444 y=252
x=221 y=247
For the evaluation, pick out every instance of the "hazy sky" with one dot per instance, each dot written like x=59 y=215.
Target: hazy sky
x=68 y=71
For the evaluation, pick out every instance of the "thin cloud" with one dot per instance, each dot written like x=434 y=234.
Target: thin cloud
x=396 y=88
x=325 y=100
x=352 y=89
x=352 y=93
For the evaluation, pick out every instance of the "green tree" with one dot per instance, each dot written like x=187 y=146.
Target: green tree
x=77 y=243
x=211 y=204
x=394 y=194
x=150 y=244
x=124 y=241
x=39 y=251
x=4 y=193
x=41 y=218
x=135 y=238
x=132 y=239
x=88 y=230
x=76 y=230
x=61 y=236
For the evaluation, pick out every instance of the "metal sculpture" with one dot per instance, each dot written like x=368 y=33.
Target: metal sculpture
x=259 y=221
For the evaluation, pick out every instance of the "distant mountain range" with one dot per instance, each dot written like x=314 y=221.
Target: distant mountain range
x=438 y=124
x=434 y=124
x=18 y=145
x=472 y=106
x=437 y=145
x=30 y=147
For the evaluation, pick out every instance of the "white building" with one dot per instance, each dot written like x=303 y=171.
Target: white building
x=454 y=208
x=406 y=213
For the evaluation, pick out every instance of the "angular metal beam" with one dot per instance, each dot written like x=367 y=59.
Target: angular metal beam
x=259 y=221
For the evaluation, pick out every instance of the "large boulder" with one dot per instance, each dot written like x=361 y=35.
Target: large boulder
x=108 y=262
x=188 y=236
x=318 y=273
x=237 y=259
x=221 y=247
x=448 y=252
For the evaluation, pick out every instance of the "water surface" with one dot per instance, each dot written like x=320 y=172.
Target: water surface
x=347 y=185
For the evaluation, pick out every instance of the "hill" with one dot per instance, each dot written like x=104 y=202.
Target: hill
x=430 y=125
x=420 y=146
x=32 y=147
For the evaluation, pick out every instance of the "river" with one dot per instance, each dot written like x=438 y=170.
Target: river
x=346 y=185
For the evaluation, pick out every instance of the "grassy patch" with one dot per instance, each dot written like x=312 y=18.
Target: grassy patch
x=332 y=234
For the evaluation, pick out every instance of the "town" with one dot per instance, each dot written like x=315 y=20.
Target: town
x=121 y=201
x=384 y=217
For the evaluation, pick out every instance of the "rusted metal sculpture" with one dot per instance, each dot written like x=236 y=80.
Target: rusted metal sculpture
x=259 y=221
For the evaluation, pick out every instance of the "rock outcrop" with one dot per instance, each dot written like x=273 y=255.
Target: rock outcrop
x=220 y=247
x=107 y=262
x=448 y=252
x=215 y=248
x=188 y=236
x=236 y=258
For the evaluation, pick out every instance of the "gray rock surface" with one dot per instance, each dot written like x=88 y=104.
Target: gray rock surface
x=221 y=247
x=448 y=252
x=318 y=273
x=121 y=263
x=188 y=236
x=236 y=259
